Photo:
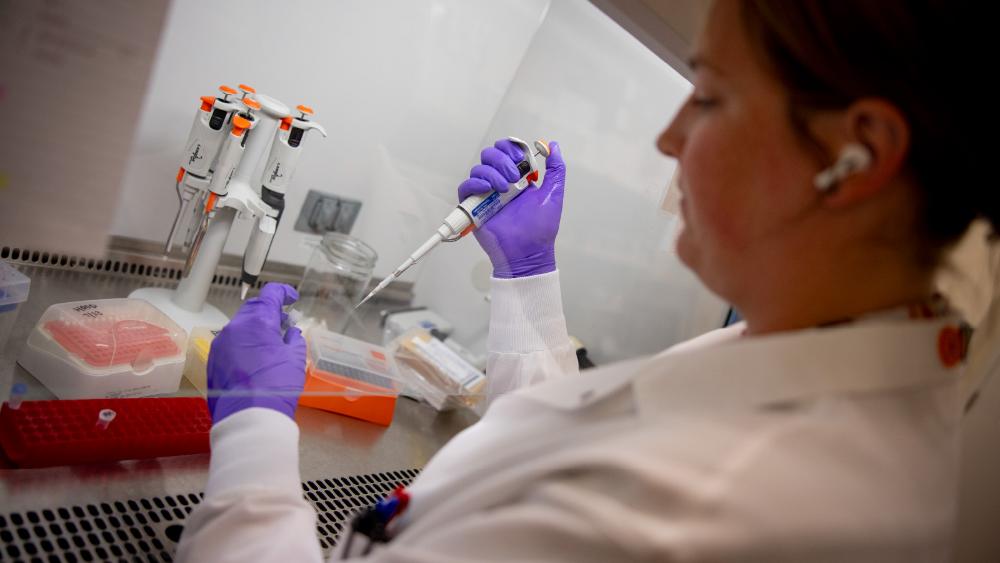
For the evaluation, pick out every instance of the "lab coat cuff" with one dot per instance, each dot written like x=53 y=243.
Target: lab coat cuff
x=256 y=447
x=526 y=314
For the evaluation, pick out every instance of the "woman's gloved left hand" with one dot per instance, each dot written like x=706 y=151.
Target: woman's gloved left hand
x=251 y=364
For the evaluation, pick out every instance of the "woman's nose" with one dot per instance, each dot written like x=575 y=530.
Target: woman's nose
x=671 y=139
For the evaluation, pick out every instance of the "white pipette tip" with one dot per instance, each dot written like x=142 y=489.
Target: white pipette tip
x=363 y=301
x=244 y=288
x=105 y=417
x=417 y=255
x=369 y=296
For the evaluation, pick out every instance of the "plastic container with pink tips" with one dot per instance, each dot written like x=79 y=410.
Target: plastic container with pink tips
x=106 y=348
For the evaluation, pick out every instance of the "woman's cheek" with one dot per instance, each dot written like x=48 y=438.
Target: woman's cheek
x=703 y=203
x=689 y=235
x=686 y=248
x=709 y=222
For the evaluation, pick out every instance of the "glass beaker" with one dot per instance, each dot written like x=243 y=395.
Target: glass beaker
x=336 y=279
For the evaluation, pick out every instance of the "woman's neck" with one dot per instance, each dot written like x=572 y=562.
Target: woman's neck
x=822 y=290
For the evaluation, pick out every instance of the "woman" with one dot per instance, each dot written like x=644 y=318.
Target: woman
x=825 y=174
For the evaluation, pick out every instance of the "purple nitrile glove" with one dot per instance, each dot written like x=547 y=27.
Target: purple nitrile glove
x=251 y=364
x=520 y=240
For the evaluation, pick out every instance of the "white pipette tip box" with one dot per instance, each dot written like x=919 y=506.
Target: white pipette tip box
x=106 y=348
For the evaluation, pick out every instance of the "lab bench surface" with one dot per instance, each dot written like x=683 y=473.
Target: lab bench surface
x=336 y=452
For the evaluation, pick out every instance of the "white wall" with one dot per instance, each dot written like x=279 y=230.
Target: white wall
x=411 y=90
x=405 y=87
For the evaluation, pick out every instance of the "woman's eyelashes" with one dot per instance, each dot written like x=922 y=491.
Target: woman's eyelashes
x=703 y=102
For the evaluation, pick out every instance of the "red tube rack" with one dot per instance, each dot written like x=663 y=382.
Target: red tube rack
x=47 y=433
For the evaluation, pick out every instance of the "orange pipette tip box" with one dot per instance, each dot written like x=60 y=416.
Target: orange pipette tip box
x=350 y=377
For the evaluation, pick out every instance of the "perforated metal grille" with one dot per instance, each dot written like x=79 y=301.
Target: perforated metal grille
x=157 y=269
x=31 y=257
x=337 y=500
x=144 y=263
x=147 y=529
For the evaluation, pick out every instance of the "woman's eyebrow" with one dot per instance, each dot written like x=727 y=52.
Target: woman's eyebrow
x=699 y=61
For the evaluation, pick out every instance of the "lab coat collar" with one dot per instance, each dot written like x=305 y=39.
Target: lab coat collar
x=787 y=368
x=723 y=371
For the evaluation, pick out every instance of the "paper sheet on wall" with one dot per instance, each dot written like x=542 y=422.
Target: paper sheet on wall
x=73 y=75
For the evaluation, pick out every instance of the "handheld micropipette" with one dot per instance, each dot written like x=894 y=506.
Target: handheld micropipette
x=473 y=211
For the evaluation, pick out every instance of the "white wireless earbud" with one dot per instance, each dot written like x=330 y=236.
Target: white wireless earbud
x=854 y=157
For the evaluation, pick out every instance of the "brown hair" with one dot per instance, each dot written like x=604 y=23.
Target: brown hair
x=829 y=53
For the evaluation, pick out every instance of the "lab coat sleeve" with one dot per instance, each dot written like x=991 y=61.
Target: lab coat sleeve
x=253 y=508
x=528 y=341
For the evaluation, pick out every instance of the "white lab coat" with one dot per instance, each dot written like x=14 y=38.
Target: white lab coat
x=833 y=444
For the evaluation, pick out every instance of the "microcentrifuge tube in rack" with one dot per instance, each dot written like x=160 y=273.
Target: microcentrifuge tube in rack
x=17 y=393
x=104 y=418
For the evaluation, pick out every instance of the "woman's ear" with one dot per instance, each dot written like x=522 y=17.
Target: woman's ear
x=879 y=127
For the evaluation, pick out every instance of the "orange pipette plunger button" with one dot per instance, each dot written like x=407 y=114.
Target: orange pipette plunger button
x=251 y=103
x=227 y=90
x=248 y=89
x=240 y=124
x=304 y=109
x=206 y=103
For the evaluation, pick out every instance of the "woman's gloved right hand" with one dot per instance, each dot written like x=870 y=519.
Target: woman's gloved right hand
x=252 y=364
x=520 y=240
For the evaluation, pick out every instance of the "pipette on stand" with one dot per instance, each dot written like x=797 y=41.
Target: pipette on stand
x=281 y=163
x=229 y=158
x=473 y=212
x=202 y=147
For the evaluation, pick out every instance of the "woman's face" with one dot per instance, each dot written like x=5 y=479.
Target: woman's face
x=746 y=177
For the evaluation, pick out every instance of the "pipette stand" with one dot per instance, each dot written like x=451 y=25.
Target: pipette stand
x=186 y=305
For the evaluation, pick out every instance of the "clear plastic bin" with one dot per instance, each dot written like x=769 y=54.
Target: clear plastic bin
x=436 y=373
x=14 y=287
x=348 y=376
x=106 y=348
